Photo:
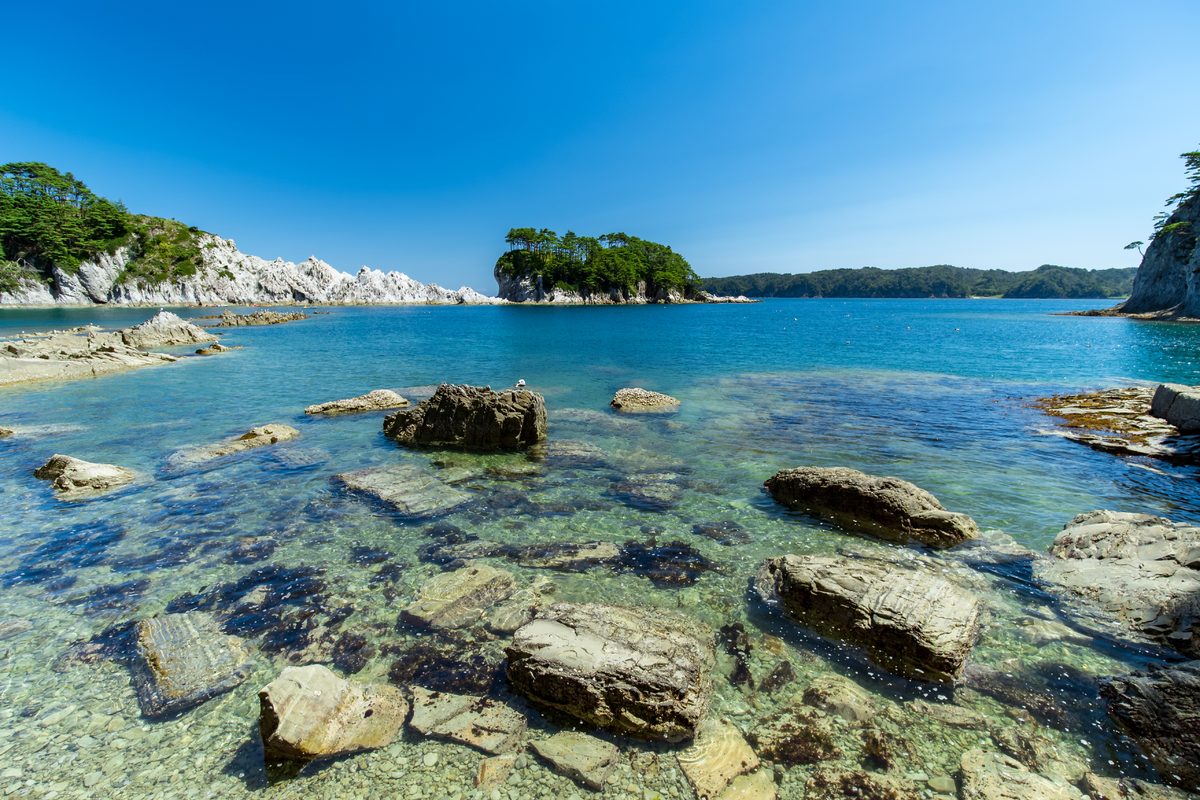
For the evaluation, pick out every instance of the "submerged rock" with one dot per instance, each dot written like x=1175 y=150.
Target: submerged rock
x=522 y=606
x=182 y=660
x=888 y=508
x=486 y=725
x=829 y=784
x=642 y=672
x=670 y=565
x=580 y=757
x=910 y=622
x=726 y=532
x=1142 y=568
x=458 y=599
x=308 y=712
x=165 y=328
x=467 y=416
x=642 y=400
x=372 y=401
x=74 y=477
x=1161 y=710
x=655 y=491
x=717 y=756
x=835 y=694
x=255 y=437
x=411 y=490
x=793 y=736
x=995 y=776
x=460 y=668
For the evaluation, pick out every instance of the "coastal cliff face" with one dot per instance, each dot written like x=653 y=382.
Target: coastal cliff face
x=1168 y=280
x=227 y=276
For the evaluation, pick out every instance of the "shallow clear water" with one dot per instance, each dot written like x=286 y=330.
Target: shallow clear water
x=932 y=391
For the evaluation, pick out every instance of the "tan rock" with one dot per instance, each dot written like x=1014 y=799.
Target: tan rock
x=494 y=771
x=372 y=401
x=755 y=786
x=717 y=756
x=835 y=694
x=995 y=776
x=578 y=756
x=255 y=437
x=636 y=399
x=469 y=416
x=214 y=348
x=183 y=660
x=458 y=599
x=165 y=328
x=486 y=725
x=409 y=489
x=954 y=716
x=74 y=477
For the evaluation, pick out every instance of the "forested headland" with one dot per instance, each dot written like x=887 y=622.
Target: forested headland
x=594 y=264
x=49 y=219
x=943 y=280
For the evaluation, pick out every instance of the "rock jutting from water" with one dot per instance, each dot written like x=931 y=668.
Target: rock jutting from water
x=1178 y=405
x=74 y=478
x=309 y=712
x=372 y=401
x=411 y=490
x=458 y=599
x=255 y=437
x=468 y=416
x=911 y=622
x=1160 y=709
x=1142 y=568
x=215 y=348
x=264 y=317
x=163 y=329
x=1118 y=421
x=182 y=660
x=642 y=672
x=580 y=757
x=83 y=352
x=486 y=725
x=636 y=399
x=888 y=508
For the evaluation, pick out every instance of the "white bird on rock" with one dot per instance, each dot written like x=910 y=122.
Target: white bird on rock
x=520 y=383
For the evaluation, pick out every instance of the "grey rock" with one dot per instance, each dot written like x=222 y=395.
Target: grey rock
x=182 y=660
x=835 y=694
x=1167 y=280
x=165 y=328
x=458 y=599
x=642 y=672
x=255 y=437
x=888 y=508
x=580 y=757
x=1143 y=569
x=1160 y=708
x=264 y=317
x=308 y=712
x=484 y=724
x=1101 y=788
x=636 y=399
x=215 y=348
x=372 y=401
x=409 y=489
x=467 y=416
x=658 y=491
x=1178 y=405
x=911 y=622
x=521 y=607
x=995 y=776
x=74 y=477
x=954 y=716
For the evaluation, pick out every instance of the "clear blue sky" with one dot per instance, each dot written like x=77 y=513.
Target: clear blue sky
x=751 y=137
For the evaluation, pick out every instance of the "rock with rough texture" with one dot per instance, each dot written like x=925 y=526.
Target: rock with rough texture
x=888 y=508
x=83 y=352
x=794 y=735
x=835 y=694
x=522 y=606
x=995 y=776
x=309 y=712
x=5 y=432
x=1142 y=568
x=74 y=477
x=214 y=348
x=654 y=491
x=717 y=756
x=494 y=771
x=579 y=757
x=486 y=725
x=255 y=437
x=372 y=401
x=165 y=328
x=1167 y=281
x=468 y=416
x=642 y=672
x=1100 y=788
x=911 y=622
x=1178 y=405
x=1161 y=710
x=182 y=660
x=832 y=784
x=458 y=599
x=264 y=317
x=411 y=490
x=757 y=785
x=636 y=399
x=954 y=716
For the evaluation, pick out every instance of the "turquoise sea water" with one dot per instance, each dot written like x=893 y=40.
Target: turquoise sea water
x=932 y=391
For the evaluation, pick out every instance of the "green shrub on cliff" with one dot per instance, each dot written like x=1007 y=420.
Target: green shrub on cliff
x=584 y=263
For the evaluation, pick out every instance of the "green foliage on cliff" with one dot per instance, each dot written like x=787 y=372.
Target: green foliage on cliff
x=579 y=263
x=48 y=219
x=1163 y=224
x=1047 y=281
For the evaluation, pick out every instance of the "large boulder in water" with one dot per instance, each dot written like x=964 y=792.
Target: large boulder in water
x=458 y=599
x=74 y=477
x=1161 y=710
x=308 y=712
x=182 y=660
x=1143 y=569
x=468 y=416
x=1178 y=405
x=642 y=672
x=911 y=622
x=165 y=328
x=889 y=508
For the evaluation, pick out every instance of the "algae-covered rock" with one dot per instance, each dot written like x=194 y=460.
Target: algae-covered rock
x=182 y=660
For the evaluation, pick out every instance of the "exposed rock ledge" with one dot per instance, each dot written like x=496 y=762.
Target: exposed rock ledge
x=82 y=352
x=530 y=289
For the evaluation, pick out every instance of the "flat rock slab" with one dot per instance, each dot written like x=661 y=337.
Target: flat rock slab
x=579 y=757
x=1101 y=788
x=1145 y=570
x=255 y=437
x=372 y=401
x=954 y=716
x=74 y=477
x=182 y=660
x=458 y=599
x=911 y=622
x=494 y=771
x=995 y=776
x=484 y=724
x=80 y=353
x=835 y=694
x=636 y=399
x=1121 y=422
x=1161 y=710
x=411 y=490
x=888 y=508
x=468 y=416
x=644 y=672
x=717 y=756
x=755 y=786
x=309 y=712
x=232 y=320
x=165 y=328
x=656 y=491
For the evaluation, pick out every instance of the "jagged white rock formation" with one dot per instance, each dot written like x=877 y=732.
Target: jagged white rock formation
x=228 y=276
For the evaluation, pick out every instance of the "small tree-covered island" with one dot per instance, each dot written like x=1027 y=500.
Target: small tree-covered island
x=543 y=267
